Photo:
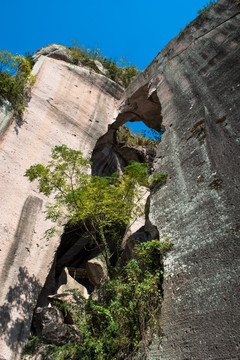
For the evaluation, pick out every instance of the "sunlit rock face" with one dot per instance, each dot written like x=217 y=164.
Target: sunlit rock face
x=196 y=80
x=69 y=105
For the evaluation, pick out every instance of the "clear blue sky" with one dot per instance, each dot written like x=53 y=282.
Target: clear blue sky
x=135 y=29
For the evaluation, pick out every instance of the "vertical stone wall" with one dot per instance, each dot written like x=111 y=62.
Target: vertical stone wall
x=197 y=81
x=69 y=105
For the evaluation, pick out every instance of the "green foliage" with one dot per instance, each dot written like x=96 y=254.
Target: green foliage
x=203 y=11
x=157 y=179
x=129 y=303
x=125 y=135
x=29 y=58
x=102 y=205
x=120 y=72
x=15 y=75
x=147 y=252
x=129 y=306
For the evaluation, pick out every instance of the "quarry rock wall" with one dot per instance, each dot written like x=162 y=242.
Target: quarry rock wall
x=196 y=80
x=69 y=105
x=191 y=90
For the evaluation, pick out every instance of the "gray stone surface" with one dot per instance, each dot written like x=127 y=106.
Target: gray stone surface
x=60 y=334
x=97 y=271
x=197 y=81
x=56 y=51
x=6 y=115
x=99 y=66
x=49 y=325
x=44 y=316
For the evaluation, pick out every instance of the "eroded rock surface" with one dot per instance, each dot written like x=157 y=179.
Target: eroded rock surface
x=197 y=82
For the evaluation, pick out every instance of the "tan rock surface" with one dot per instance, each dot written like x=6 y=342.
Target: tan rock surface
x=69 y=105
x=68 y=283
x=97 y=271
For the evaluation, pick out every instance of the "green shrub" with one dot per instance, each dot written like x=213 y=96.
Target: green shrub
x=129 y=305
x=29 y=58
x=157 y=179
x=120 y=72
x=15 y=75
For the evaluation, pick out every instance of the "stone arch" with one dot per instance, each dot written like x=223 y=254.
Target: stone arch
x=108 y=156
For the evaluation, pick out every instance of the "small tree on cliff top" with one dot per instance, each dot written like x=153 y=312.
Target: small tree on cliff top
x=103 y=205
x=15 y=75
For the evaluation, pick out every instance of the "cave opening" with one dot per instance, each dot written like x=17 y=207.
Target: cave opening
x=142 y=130
x=112 y=155
x=142 y=112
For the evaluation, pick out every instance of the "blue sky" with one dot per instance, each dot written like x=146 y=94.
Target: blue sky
x=135 y=29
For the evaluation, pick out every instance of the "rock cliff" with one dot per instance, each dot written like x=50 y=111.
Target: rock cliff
x=196 y=80
x=69 y=105
x=191 y=89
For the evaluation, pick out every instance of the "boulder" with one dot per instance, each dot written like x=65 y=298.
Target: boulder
x=55 y=51
x=68 y=283
x=60 y=334
x=70 y=299
x=99 y=66
x=44 y=316
x=66 y=297
x=97 y=271
x=49 y=324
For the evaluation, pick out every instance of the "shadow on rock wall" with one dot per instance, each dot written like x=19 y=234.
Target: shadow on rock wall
x=16 y=313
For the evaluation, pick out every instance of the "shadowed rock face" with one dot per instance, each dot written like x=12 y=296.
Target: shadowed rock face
x=197 y=81
x=69 y=105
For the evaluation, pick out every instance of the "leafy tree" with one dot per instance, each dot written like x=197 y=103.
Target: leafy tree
x=102 y=205
x=15 y=75
x=129 y=303
x=30 y=59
